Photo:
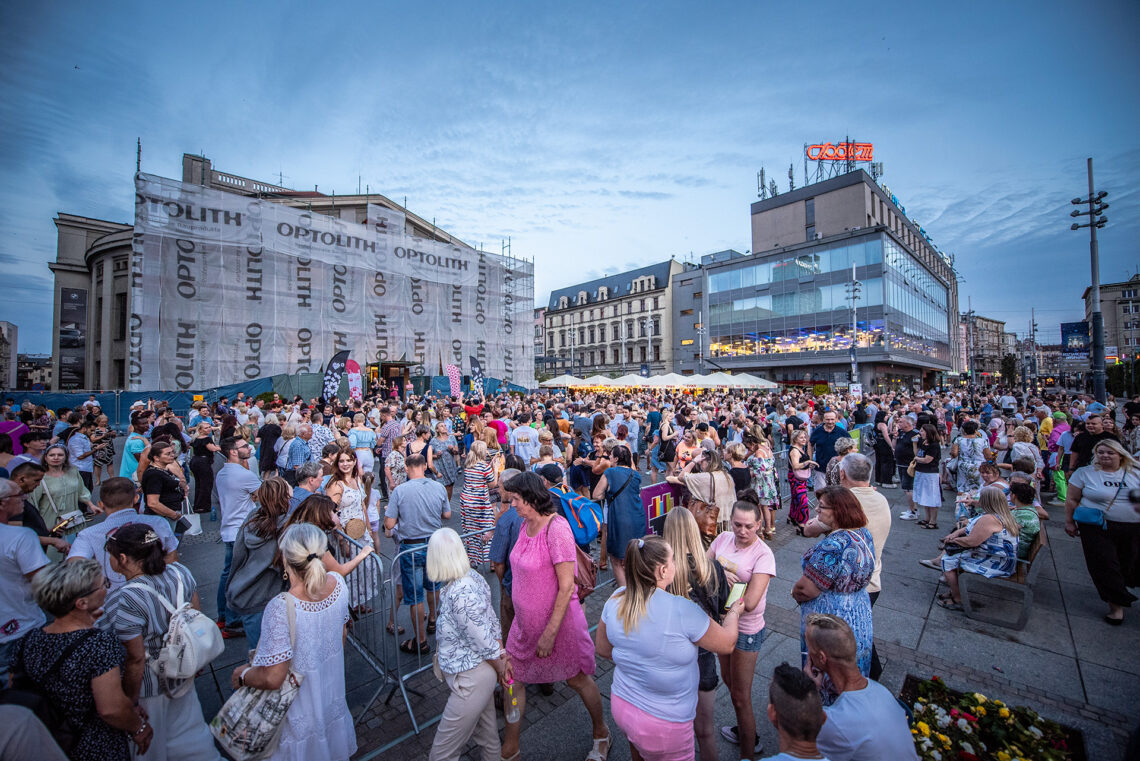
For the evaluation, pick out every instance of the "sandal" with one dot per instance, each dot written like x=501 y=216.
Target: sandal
x=431 y=627
x=396 y=630
x=921 y=524
x=951 y=605
x=410 y=646
x=596 y=752
x=931 y=526
x=930 y=564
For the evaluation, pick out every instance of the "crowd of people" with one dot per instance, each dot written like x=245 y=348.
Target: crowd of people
x=689 y=607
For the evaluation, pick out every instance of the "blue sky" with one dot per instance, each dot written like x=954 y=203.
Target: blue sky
x=597 y=136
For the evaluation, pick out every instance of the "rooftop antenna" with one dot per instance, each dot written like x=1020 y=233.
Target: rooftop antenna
x=280 y=179
x=358 y=178
x=138 y=157
x=761 y=184
x=791 y=177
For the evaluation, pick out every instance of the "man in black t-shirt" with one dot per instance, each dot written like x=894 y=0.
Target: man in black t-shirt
x=1080 y=454
x=904 y=454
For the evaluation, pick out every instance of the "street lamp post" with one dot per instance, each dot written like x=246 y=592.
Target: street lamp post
x=1096 y=221
x=853 y=289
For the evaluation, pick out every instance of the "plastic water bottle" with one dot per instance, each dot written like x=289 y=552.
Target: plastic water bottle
x=511 y=705
x=213 y=512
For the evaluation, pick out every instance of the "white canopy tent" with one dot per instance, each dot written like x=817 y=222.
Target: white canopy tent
x=751 y=381
x=562 y=381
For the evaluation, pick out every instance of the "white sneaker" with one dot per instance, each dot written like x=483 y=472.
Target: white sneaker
x=909 y=515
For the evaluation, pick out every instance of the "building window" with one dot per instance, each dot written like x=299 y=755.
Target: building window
x=656 y=326
x=591 y=334
x=697 y=295
x=629 y=307
x=642 y=307
x=644 y=354
x=810 y=232
x=629 y=328
x=98 y=269
x=686 y=342
x=591 y=358
x=617 y=356
x=656 y=302
x=581 y=335
x=686 y=312
x=1128 y=293
x=120 y=264
x=616 y=336
x=562 y=338
x=552 y=340
x=809 y=211
x=641 y=328
x=657 y=353
x=602 y=333
x=120 y=373
x=120 y=316
x=629 y=354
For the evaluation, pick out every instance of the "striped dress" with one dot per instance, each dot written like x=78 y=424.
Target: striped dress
x=475 y=511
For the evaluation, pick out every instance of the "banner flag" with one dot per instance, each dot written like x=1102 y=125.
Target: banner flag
x=355 y=383
x=333 y=373
x=476 y=375
x=454 y=374
x=226 y=288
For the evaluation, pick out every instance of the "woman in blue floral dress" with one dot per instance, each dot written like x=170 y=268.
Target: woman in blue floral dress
x=838 y=568
x=987 y=546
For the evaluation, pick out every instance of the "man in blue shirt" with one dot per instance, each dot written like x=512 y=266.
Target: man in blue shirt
x=308 y=484
x=823 y=440
x=506 y=534
x=299 y=452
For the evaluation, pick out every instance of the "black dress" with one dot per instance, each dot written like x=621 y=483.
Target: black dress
x=202 y=468
x=70 y=688
x=741 y=478
x=267 y=454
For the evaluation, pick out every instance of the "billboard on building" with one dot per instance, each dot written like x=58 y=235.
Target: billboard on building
x=72 y=338
x=1075 y=340
x=225 y=288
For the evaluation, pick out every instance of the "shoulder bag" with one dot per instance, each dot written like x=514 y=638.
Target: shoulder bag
x=1088 y=515
x=249 y=725
x=804 y=474
x=585 y=569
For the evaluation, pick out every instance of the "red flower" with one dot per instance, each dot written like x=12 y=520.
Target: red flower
x=969 y=717
x=936 y=678
x=953 y=713
x=967 y=756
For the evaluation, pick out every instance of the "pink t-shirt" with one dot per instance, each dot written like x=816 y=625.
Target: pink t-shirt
x=502 y=430
x=756 y=558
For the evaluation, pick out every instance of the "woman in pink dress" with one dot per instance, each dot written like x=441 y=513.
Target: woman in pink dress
x=549 y=640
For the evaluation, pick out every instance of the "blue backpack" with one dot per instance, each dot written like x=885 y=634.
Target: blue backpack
x=583 y=515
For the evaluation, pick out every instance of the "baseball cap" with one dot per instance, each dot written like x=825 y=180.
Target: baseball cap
x=551 y=472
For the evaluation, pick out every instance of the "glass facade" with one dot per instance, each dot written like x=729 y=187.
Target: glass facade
x=801 y=303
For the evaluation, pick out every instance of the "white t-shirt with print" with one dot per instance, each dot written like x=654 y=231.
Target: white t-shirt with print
x=1099 y=487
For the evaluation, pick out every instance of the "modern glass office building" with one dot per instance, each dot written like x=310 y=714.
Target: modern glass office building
x=787 y=314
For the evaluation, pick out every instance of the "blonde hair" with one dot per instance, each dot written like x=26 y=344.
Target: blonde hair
x=683 y=536
x=1127 y=461
x=844 y=444
x=992 y=501
x=642 y=558
x=736 y=452
x=446 y=558
x=477 y=454
x=58 y=586
x=1023 y=434
x=302 y=547
x=289 y=431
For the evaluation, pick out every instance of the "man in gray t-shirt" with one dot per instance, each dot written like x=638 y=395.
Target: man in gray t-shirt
x=416 y=509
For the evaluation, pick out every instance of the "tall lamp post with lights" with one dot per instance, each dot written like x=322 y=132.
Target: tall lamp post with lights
x=1096 y=221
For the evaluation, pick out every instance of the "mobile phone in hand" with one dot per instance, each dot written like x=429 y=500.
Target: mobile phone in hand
x=735 y=594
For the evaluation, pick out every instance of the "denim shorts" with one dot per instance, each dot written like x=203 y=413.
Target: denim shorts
x=413 y=574
x=750 y=643
x=906 y=481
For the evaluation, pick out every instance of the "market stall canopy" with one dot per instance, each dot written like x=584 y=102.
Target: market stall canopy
x=751 y=381
x=562 y=381
x=668 y=380
x=596 y=380
x=631 y=381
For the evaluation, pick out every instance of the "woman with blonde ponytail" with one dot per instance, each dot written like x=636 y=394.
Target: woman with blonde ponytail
x=303 y=631
x=652 y=636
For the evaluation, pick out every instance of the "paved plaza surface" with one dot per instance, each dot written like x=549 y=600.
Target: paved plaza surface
x=1066 y=663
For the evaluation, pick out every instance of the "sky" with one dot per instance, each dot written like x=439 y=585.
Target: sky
x=596 y=137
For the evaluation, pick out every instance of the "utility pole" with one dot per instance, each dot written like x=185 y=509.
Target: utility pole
x=1033 y=343
x=701 y=340
x=853 y=289
x=1096 y=221
x=970 y=341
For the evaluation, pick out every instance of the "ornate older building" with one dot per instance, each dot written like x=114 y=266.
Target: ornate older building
x=89 y=346
x=615 y=324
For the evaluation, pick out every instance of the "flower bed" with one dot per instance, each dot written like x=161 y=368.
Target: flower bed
x=954 y=726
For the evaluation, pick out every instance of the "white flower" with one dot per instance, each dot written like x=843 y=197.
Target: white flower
x=1036 y=732
x=936 y=756
x=918 y=707
x=967 y=747
x=963 y=724
x=943 y=721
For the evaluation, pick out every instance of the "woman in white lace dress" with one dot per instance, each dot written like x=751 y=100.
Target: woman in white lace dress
x=345 y=489
x=318 y=726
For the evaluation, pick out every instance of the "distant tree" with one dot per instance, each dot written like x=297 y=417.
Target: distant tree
x=1009 y=370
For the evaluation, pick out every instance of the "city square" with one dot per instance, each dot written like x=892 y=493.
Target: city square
x=517 y=382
